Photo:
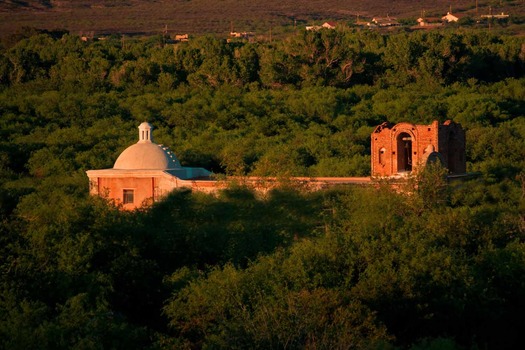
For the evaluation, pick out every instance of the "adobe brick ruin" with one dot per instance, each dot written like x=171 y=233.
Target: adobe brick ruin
x=404 y=148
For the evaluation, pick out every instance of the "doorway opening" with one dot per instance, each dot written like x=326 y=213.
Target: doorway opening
x=404 y=152
x=452 y=153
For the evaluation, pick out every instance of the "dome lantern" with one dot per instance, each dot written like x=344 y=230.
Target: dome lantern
x=145 y=134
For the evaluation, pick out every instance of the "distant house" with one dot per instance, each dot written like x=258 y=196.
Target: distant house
x=449 y=17
x=429 y=22
x=181 y=37
x=89 y=36
x=499 y=16
x=243 y=35
x=325 y=25
x=329 y=25
x=312 y=28
x=384 y=22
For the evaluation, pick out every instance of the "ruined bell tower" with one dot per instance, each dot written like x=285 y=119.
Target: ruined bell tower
x=404 y=148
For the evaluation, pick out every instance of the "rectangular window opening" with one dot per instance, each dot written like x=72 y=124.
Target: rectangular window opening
x=127 y=197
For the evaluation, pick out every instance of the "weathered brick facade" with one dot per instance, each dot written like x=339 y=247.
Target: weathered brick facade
x=404 y=147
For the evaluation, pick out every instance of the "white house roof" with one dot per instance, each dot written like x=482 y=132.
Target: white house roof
x=449 y=17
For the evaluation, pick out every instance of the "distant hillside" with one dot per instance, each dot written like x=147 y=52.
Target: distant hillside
x=214 y=16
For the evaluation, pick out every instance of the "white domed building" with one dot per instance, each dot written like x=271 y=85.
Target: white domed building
x=144 y=172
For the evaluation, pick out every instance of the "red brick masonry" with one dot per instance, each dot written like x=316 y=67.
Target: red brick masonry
x=404 y=147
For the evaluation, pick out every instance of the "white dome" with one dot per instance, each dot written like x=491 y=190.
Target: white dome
x=146 y=154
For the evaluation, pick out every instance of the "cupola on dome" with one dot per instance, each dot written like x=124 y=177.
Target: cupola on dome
x=146 y=154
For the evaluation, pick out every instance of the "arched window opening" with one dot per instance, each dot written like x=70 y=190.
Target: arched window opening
x=382 y=156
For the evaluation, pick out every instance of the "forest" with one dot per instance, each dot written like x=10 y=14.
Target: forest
x=439 y=265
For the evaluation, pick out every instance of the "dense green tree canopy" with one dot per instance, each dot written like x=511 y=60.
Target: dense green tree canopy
x=437 y=265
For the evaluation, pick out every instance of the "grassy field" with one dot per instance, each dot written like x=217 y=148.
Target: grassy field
x=217 y=16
